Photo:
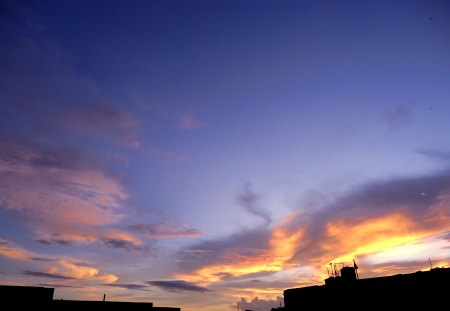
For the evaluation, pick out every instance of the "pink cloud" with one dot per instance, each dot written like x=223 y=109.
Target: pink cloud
x=9 y=250
x=55 y=196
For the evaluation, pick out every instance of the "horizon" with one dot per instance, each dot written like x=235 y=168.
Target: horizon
x=211 y=154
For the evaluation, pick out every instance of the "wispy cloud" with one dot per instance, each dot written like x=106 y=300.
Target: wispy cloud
x=163 y=230
x=58 y=285
x=9 y=250
x=47 y=275
x=178 y=285
x=250 y=201
x=129 y=286
x=121 y=244
x=375 y=217
x=260 y=304
x=43 y=259
x=443 y=155
x=55 y=195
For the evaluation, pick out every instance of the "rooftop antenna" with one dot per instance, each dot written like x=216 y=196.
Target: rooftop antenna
x=429 y=260
x=355 y=266
x=104 y=297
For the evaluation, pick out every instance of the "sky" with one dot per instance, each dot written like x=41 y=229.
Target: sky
x=209 y=154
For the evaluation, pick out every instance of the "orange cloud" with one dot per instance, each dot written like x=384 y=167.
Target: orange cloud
x=235 y=264
x=11 y=251
x=345 y=241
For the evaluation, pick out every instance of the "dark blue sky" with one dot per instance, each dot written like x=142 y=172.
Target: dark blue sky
x=212 y=150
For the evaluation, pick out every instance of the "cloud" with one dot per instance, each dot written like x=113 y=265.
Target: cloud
x=162 y=230
x=373 y=218
x=120 y=244
x=129 y=286
x=9 y=250
x=47 y=97
x=249 y=200
x=97 y=236
x=259 y=304
x=178 y=285
x=58 y=285
x=247 y=253
x=52 y=241
x=57 y=196
x=43 y=259
x=47 y=275
x=436 y=154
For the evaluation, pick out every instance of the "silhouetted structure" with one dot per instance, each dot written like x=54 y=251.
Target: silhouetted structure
x=41 y=298
x=428 y=289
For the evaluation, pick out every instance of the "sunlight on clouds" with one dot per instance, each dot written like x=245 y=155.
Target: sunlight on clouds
x=417 y=251
x=373 y=235
x=11 y=251
x=80 y=272
x=75 y=271
x=124 y=237
x=290 y=243
x=272 y=260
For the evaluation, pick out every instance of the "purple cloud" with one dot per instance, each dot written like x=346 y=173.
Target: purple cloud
x=249 y=200
x=436 y=154
x=178 y=285
x=161 y=230
x=392 y=209
x=120 y=244
x=43 y=259
x=247 y=243
x=129 y=286
x=58 y=285
x=47 y=275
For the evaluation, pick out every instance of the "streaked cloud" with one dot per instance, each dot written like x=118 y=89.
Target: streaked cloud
x=47 y=275
x=57 y=285
x=250 y=202
x=129 y=286
x=178 y=285
x=443 y=155
x=375 y=218
x=164 y=230
x=62 y=201
x=9 y=250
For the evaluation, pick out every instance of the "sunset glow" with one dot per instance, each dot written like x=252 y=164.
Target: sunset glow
x=209 y=155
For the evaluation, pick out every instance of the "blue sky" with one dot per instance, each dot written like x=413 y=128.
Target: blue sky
x=201 y=154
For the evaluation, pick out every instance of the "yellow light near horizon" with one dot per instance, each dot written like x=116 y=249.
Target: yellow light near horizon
x=370 y=236
x=266 y=261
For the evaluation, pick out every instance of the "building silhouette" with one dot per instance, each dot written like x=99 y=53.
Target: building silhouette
x=427 y=290
x=41 y=298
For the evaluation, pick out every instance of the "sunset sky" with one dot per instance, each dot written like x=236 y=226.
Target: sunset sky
x=208 y=154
